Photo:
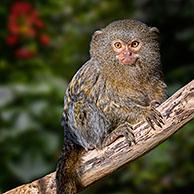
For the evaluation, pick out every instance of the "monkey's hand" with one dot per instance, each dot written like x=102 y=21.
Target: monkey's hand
x=124 y=130
x=151 y=115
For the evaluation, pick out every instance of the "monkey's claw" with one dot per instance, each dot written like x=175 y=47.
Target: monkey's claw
x=153 y=116
x=124 y=130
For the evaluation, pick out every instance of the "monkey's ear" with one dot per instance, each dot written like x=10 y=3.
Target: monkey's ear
x=155 y=30
x=97 y=34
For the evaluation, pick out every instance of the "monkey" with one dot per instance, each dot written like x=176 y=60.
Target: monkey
x=120 y=85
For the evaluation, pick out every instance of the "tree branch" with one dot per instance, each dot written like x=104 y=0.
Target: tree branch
x=177 y=111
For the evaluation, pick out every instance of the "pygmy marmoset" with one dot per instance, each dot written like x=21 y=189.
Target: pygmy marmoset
x=116 y=88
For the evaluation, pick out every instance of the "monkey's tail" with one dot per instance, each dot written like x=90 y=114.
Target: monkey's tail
x=67 y=180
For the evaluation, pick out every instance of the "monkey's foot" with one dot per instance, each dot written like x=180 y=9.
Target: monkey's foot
x=152 y=115
x=124 y=130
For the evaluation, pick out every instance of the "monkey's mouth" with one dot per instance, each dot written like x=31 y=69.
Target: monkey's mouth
x=127 y=58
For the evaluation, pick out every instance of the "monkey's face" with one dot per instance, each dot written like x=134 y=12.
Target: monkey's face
x=126 y=44
x=126 y=52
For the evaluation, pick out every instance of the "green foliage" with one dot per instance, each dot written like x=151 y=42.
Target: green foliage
x=32 y=85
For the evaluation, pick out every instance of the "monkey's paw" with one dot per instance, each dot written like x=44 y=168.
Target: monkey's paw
x=152 y=115
x=124 y=130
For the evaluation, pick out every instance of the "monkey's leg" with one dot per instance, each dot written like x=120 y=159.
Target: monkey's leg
x=124 y=130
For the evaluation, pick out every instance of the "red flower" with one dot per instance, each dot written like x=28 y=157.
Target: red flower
x=24 y=53
x=39 y=23
x=44 y=39
x=12 y=39
x=21 y=7
x=24 y=24
x=24 y=19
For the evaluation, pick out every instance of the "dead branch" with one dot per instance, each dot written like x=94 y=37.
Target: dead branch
x=177 y=111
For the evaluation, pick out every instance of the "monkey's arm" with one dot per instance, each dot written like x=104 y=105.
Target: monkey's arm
x=157 y=87
x=134 y=110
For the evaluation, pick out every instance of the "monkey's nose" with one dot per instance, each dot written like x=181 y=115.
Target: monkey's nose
x=128 y=54
x=127 y=57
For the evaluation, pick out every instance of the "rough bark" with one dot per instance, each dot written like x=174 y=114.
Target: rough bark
x=176 y=111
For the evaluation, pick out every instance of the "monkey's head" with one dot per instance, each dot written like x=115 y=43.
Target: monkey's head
x=126 y=42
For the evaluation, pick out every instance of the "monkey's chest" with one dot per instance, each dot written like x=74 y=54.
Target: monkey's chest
x=118 y=103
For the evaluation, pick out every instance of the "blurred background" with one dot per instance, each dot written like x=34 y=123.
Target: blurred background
x=42 y=44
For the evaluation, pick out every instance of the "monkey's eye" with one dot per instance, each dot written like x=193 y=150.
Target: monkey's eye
x=118 y=45
x=134 y=44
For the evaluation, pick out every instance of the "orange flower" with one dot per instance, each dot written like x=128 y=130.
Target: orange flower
x=44 y=39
